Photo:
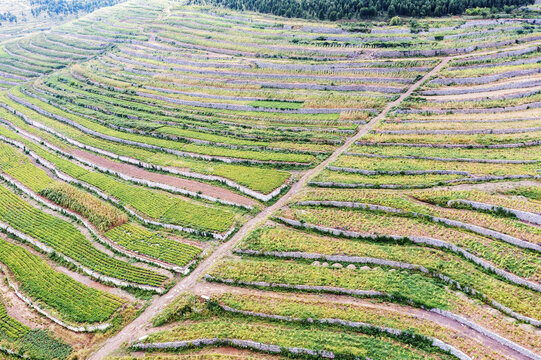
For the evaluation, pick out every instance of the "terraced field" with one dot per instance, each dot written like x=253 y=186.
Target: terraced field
x=188 y=181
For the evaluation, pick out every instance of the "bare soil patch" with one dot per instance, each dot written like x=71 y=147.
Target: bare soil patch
x=190 y=185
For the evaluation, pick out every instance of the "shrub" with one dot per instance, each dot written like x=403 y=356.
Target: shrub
x=395 y=21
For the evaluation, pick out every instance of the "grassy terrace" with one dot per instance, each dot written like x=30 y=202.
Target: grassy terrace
x=100 y=214
x=66 y=239
x=212 y=323
x=460 y=250
x=139 y=139
x=41 y=53
x=21 y=339
x=72 y=300
x=457 y=132
x=154 y=204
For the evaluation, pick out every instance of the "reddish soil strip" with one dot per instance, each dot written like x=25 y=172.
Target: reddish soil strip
x=190 y=185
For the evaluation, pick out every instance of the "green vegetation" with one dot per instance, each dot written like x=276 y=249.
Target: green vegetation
x=276 y=104
x=408 y=287
x=157 y=245
x=358 y=9
x=199 y=320
x=162 y=206
x=64 y=238
x=185 y=306
x=166 y=124
x=104 y=216
x=71 y=299
x=36 y=344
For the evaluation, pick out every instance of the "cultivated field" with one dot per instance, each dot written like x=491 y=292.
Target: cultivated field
x=182 y=181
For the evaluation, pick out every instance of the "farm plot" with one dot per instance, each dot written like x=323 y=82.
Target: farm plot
x=70 y=299
x=22 y=340
x=41 y=53
x=64 y=238
x=160 y=125
x=139 y=239
x=215 y=119
x=216 y=326
x=475 y=122
x=102 y=215
x=444 y=224
x=154 y=204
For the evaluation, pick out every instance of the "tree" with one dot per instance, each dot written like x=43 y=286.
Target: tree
x=395 y=21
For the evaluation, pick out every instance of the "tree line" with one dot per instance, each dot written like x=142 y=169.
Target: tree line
x=7 y=16
x=361 y=9
x=67 y=7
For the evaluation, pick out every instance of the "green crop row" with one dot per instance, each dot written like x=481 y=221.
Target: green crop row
x=103 y=215
x=259 y=179
x=73 y=300
x=65 y=238
x=163 y=206
x=404 y=287
x=343 y=344
x=282 y=239
x=521 y=262
x=474 y=169
x=157 y=245
x=417 y=201
x=168 y=144
x=35 y=344
x=155 y=204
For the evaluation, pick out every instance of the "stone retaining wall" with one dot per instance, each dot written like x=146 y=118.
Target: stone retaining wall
x=100 y=193
x=104 y=240
x=245 y=190
x=484 y=79
x=91 y=273
x=473 y=179
x=533 y=105
x=189 y=174
x=495 y=87
x=354 y=325
x=453 y=146
x=487 y=161
x=454 y=223
x=460 y=132
x=328 y=289
x=243 y=344
x=120 y=140
x=405 y=172
x=534 y=60
x=422 y=240
x=522 y=215
x=489 y=334
x=517 y=95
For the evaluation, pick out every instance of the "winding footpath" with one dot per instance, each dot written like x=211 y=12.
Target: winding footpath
x=141 y=324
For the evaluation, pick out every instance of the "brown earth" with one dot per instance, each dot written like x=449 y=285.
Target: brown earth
x=190 y=185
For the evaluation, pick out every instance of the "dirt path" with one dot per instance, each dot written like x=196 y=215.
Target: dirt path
x=137 y=327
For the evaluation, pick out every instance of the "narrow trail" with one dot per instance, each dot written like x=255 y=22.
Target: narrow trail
x=139 y=326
